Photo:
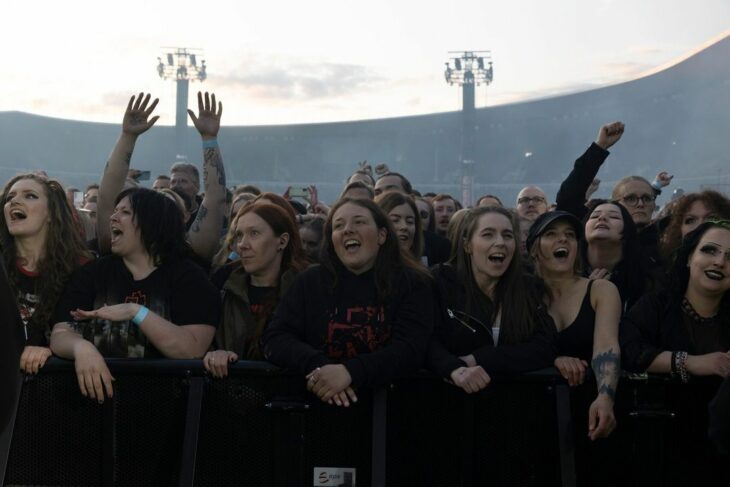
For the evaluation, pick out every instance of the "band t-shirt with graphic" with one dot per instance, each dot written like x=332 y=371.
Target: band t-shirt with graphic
x=178 y=291
x=27 y=302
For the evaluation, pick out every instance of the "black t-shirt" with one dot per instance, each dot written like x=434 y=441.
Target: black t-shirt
x=178 y=291
x=27 y=302
x=258 y=297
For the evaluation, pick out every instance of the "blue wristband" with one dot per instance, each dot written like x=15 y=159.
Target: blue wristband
x=141 y=315
x=210 y=144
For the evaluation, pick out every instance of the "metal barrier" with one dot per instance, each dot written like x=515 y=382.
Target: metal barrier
x=169 y=424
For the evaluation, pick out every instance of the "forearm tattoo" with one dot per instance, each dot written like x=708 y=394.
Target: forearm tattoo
x=202 y=213
x=606 y=367
x=212 y=158
x=127 y=158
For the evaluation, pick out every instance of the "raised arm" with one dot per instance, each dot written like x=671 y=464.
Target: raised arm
x=572 y=193
x=135 y=122
x=606 y=363
x=205 y=233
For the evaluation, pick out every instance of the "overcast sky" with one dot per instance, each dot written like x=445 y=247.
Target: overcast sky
x=299 y=62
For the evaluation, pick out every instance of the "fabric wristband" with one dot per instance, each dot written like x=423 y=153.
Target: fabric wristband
x=656 y=185
x=210 y=144
x=141 y=315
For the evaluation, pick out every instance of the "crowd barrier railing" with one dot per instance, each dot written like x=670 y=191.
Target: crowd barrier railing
x=169 y=423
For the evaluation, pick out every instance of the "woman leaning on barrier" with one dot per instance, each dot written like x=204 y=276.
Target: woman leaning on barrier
x=360 y=318
x=41 y=248
x=270 y=255
x=146 y=299
x=492 y=317
x=586 y=313
x=684 y=330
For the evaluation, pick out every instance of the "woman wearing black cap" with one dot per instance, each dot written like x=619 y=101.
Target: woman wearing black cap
x=586 y=313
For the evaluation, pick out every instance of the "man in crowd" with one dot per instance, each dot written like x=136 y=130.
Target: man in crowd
x=531 y=202
x=185 y=178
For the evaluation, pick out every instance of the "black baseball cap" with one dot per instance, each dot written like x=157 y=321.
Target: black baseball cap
x=546 y=219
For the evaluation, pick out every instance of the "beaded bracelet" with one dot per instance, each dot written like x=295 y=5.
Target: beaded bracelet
x=680 y=364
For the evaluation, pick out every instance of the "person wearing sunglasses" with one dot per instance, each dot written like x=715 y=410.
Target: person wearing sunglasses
x=492 y=317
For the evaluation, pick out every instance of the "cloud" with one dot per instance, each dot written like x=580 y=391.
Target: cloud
x=301 y=81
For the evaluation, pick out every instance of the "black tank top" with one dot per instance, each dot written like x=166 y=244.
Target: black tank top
x=576 y=340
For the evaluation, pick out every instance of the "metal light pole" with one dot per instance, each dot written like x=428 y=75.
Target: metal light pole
x=181 y=65
x=467 y=69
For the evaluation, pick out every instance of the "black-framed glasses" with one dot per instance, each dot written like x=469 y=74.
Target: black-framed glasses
x=633 y=200
x=462 y=318
x=526 y=200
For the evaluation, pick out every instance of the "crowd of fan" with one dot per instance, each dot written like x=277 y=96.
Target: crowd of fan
x=384 y=282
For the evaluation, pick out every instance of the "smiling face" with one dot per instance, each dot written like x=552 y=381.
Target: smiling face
x=491 y=248
x=258 y=247
x=605 y=224
x=557 y=248
x=709 y=264
x=697 y=213
x=356 y=238
x=126 y=236
x=26 y=209
x=404 y=223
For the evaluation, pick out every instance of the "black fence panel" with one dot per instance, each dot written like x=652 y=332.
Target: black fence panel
x=170 y=424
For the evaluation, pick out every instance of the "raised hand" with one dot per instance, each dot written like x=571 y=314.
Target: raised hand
x=609 y=134
x=208 y=121
x=136 y=118
x=663 y=179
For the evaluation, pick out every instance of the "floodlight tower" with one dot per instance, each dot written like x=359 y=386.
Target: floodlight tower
x=181 y=64
x=468 y=69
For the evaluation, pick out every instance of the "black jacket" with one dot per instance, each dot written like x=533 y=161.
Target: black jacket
x=452 y=338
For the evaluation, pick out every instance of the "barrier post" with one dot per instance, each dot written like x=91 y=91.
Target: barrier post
x=192 y=432
x=380 y=437
x=565 y=435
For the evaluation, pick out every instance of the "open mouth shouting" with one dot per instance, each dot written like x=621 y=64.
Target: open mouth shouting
x=116 y=234
x=561 y=253
x=497 y=257
x=352 y=245
x=17 y=214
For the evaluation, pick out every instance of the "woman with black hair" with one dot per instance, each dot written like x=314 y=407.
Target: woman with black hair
x=269 y=258
x=146 y=299
x=612 y=251
x=685 y=328
x=492 y=317
x=360 y=318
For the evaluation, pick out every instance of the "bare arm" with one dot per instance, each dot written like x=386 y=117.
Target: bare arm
x=606 y=362
x=181 y=342
x=205 y=233
x=135 y=122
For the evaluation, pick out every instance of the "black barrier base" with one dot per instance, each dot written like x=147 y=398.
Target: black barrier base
x=169 y=424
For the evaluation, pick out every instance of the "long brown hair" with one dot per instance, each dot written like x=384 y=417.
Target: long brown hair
x=517 y=295
x=63 y=251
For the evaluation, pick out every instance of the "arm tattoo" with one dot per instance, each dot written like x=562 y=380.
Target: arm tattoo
x=212 y=156
x=606 y=366
x=127 y=157
x=202 y=213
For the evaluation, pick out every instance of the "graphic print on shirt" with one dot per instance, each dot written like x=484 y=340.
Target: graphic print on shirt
x=358 y=330
x=27 y=303
x=119 y=338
